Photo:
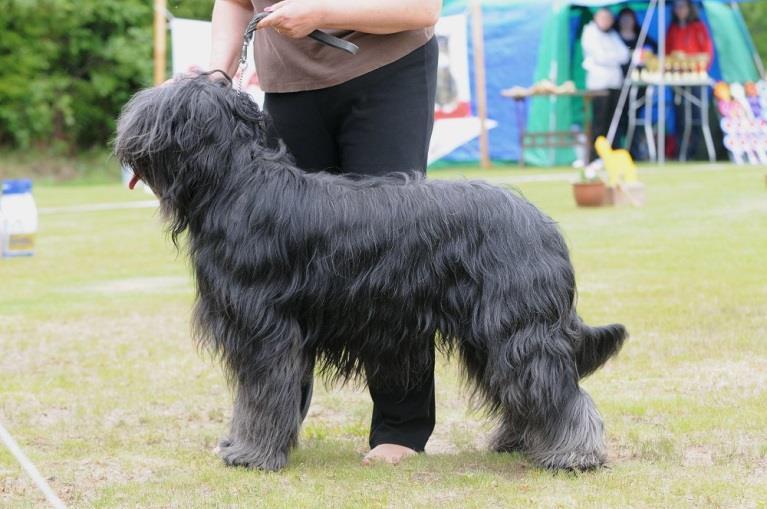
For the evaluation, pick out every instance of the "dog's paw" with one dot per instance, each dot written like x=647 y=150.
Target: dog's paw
x=249 y=456
x=574 y=461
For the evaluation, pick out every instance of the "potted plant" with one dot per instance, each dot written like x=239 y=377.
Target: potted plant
x=590 y=189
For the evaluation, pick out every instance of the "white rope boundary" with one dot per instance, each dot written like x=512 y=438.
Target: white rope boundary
x=30 y=469
x=98 y=207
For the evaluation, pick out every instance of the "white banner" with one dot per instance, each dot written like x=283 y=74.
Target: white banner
x=454 y=124
x=191 y=51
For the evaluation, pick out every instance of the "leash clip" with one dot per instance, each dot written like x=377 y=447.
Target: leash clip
x=244 y=52
x=247 y=37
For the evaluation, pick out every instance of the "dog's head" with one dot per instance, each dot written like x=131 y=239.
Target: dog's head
x=181 y=136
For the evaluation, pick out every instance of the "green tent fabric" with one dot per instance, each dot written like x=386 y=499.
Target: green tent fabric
x=731 y=38
x=560 y=58
x=550 y=113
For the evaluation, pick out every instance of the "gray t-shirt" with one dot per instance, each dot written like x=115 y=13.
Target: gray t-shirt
x=284 y=64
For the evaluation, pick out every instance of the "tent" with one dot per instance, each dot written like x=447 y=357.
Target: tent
x=512 y=35
x=526 y=41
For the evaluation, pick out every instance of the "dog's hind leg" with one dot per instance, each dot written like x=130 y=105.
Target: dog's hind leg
x=548 y=415
x=268 y=409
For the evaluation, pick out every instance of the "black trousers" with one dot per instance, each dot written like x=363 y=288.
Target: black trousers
x=375 y=124
x=603 y=110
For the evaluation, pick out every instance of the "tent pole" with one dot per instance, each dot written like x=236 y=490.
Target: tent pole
x=160 y=42
x=554 y=78
x=615 y=122
x=662 y=83
x=478 y=41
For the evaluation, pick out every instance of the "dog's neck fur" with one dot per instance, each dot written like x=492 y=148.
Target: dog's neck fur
x=224 y=187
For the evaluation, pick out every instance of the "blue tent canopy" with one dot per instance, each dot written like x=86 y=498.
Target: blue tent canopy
x=512 y=32
x=602 y=3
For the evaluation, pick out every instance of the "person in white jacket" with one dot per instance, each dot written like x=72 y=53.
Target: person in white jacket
x=604 y=52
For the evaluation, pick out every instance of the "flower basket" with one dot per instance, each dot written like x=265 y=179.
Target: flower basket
x=590 y=194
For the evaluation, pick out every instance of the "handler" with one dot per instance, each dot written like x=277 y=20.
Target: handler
x=369 y=114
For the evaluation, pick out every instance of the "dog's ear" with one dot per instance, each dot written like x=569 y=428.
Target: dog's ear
x=211 y=115
x=199 y=115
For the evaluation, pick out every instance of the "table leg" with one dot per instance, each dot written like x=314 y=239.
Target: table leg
x=521 y=128
x=648 y=131
x=704 y=125
x=587 y=128
x=632 y=120
x=687 y=123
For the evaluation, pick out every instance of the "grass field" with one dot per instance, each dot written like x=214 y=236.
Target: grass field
x=102 y=386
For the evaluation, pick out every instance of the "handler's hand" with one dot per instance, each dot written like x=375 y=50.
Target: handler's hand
x=294 y=18
x=216 y=74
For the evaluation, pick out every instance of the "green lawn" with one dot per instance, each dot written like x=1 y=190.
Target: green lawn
x=102 y=386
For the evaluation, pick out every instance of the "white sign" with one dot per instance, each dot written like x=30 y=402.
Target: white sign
x=454 y=124
x=191 y=51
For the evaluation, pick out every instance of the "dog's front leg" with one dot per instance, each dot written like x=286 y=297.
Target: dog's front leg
x=267 y=413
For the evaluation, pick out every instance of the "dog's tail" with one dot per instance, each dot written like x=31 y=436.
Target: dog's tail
x=595 y=345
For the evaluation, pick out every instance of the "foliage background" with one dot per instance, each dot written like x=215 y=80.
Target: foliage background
x=755 y=14
x=67 y=66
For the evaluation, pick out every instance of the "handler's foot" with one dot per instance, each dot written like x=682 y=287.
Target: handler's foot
x=387 y=453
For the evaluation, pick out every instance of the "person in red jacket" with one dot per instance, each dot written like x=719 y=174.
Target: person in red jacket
x=688 y=34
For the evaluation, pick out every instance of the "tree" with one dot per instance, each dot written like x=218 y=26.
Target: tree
x=68 y=66
x=755 y=14
x=192 y=9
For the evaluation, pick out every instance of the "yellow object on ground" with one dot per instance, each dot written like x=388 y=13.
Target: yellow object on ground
x=619 y=165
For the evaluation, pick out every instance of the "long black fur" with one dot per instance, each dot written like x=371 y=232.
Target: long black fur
x=360 y=276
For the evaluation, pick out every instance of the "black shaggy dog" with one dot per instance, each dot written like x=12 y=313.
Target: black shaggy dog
x=362 y=276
